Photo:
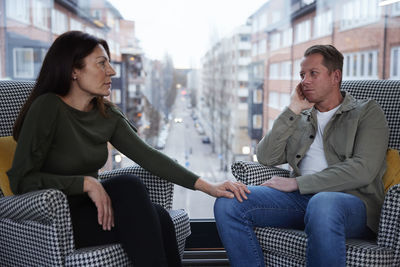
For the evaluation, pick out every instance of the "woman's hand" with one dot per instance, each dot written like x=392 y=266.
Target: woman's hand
x=99 y=196
x=227 y=189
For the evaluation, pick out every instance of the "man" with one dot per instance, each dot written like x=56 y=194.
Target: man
x=336 y=147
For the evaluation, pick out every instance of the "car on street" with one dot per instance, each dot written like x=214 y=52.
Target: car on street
x=206 y=140
x=178 y=120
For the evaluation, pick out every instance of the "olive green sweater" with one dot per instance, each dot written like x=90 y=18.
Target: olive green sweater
x=59 y=145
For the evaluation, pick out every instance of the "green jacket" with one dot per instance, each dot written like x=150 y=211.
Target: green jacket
x=355 y=144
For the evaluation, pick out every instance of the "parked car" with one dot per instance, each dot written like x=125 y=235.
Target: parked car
x=206 y=140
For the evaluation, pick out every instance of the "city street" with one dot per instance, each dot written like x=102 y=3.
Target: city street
x=184 y=144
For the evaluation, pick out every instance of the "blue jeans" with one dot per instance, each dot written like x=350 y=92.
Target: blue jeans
x=327 y=217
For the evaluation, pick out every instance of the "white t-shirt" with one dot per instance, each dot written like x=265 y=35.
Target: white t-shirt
x=314 y=160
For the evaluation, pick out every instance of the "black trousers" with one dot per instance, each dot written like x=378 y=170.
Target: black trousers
x=144 y=229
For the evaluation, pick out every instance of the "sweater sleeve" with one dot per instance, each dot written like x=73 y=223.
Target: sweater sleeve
x=126 y=140
x=33 y=144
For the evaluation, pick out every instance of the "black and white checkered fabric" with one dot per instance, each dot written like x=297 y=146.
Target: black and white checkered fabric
x=285 y=247
x=35 y=228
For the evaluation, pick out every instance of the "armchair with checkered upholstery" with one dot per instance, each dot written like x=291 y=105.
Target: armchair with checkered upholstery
x=285 y=247
x=36 y=229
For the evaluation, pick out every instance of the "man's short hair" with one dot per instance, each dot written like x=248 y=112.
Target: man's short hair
x=333 y=59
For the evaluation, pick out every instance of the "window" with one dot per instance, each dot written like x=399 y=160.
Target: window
x=356 y=13
x=116 y=96
x=257 y=121
x=274 y=71
x=302 y=32
x=257 y=96
x=286 y=70
x=287 y=37
x=396 y=9
x=276 y=16
x=96 y=13
x=40 y=14
x=395 y=63
x=285 y=100
x=360 y=65
x=275 y=40
x=263 y=21
x=75 y=25
x=23 y=63
x=296 y=69
x=59 y=22
x=273 y=100
x=263 y=47
x=18 y=10
x=254 y=50
x=323 y=24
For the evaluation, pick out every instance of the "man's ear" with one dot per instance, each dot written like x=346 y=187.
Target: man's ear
x=337 y=76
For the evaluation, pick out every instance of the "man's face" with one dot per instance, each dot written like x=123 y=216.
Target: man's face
x=319 y=85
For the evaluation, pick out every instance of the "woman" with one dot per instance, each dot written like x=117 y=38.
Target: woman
x=62 y=133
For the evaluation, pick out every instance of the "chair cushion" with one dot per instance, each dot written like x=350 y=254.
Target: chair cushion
x=392 y=174
x=279 y=244
x=7 y=149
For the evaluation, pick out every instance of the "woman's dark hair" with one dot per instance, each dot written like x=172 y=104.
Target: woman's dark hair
x=65 y=54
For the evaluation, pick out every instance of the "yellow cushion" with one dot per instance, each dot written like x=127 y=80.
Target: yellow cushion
x=7 y=149
x=392 y=174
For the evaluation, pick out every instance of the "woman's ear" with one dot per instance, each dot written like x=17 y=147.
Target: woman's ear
x=74 y=75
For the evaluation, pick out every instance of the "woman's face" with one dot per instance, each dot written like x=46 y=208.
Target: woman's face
x=95 y=77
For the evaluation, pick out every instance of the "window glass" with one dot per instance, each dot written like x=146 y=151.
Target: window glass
x=23 y=62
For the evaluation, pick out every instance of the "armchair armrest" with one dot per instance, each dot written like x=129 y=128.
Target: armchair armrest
x=389 y=227
x=254 y=173
x=160 y=190
x=44 y=206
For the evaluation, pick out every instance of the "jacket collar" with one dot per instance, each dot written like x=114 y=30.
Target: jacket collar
x=348 y=103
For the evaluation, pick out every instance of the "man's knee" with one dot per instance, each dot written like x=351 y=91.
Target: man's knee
x=225 y=208
x=324 y=208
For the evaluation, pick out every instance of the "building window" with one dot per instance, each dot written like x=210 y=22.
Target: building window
x=244 y=38
x=257 y=121
x=18 y=10
x=23 y=62
x=274 y=71
x=287 y=37
x=96 y=14
x=40 y=14
x=263 y=47
x=302 y=31
x=286 y=70
x=396 y=9
x=276 y=16
x=275 y=40
x=285 y=100
x=361 y=65
x=254 y=51
x=323 y=24
x=75 y=25
x=59 y=22
x=357 y=13
x=116 y=96
x=395 y=63
x=273 y=99
x=296 y=69
x=257 y=96
x=263 y=21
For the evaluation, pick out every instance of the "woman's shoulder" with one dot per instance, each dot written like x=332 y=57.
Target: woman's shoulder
x=47 y=103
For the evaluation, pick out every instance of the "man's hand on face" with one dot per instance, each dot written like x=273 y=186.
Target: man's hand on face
x=298 y=102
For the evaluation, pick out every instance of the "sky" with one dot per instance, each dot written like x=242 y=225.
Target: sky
x=185 y=29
